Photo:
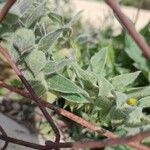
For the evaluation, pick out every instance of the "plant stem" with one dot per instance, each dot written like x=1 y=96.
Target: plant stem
x=6 y=8
x=71 y=116
x=130 y=27
x=34 y=96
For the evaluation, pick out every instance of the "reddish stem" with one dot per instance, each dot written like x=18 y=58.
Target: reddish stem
x=61 y=111
x=130 y=27
x=23 y=143
x=82 y=144
x=34 y=96
x=71 y=116
x=6 y=8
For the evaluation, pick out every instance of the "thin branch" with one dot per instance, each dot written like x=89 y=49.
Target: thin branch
x=130 y=27
x=116 y=141
x=34 y=96
x=71 y=116
x=6 y=8
x=23 y=143
x=138 y=11
x=82 y=144
x=61 y=111
x=6 y=142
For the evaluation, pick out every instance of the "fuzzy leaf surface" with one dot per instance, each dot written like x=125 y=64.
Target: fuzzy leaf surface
x=59 y=83
x=36 y=61
x=120 y=82
x=23 y=40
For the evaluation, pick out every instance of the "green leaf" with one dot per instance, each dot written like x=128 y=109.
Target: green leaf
x=144 y=102
x=75 y=18
x=136 y=54
x=135 y=117
x=111 y=56
x=34 y=13
x=23 y=40
x=55 y=17
x=121 y=99
x=39 y=87
x=12 y=16
x=24 y=6
x=146 y=141
x=117 y=116
x=59 y=83
x=105 y=87
x=28 y=74
x=103 y=106
x=53 y=66
x=8 y=45
x=86 y=76
x=98 y=61
x=36 y=61
x=120 y=147
x=75 y=98
x=50 y=39
x=45 y=128
x=136 y=129
x=120 y=82
x=139 y=92
x=44 y=26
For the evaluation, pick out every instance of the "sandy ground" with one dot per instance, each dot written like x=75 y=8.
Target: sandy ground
x=16 y=130
x=97 y=12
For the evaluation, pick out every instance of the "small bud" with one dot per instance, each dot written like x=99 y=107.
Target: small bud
x=132 y=101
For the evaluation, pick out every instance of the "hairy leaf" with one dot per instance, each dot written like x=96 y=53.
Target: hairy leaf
x=39 y=87
x=120 y=82
x=98 y=61
x=87 y=77
x=117 y=116
x=59 y=83
x=75 y=18
x=144 y=102
x=103 y=106
x=105 y=87
x=55 y=17
x=75 y=98
x=139 y=92
x=34 y=13
x=23 y=40
x=36 y=61
x=135 y=117
x=53 y=66
x=49 y=40
x=136 y=54
x=12 y=16
x=121 y=99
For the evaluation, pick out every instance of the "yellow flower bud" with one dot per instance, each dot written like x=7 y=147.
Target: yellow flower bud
x=132 y=101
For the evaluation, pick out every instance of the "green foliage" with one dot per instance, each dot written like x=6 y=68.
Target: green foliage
x=119 y=148
x=144 y=102
x=48 y=40
x=98 y=61
x=23 y=40
x=92 y=73
x=122 y=81
x=55 y=66
x=136 y=54
x=36 y=61
x=59 y=83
